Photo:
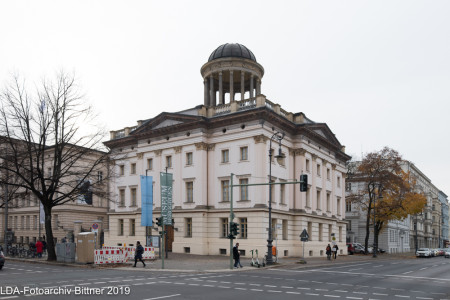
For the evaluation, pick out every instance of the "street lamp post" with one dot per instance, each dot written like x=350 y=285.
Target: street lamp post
x=279 y=136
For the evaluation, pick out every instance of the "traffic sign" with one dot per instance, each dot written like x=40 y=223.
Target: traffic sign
x=304 y=236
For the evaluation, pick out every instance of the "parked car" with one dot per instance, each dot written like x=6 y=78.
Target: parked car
x=423 y=252
x=350 y=248
x=447 y=253
x=2 y=258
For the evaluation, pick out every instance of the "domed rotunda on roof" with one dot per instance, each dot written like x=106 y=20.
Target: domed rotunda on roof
x=231 y=72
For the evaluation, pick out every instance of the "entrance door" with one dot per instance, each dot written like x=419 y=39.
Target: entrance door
x=169 y=238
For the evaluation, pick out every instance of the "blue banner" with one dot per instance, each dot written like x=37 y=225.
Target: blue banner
x=146 y=200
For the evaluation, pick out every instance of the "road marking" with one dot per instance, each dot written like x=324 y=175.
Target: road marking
x=321 y=290
x=362 y=293
x=162 y=297
x=295 y=293
x=273 y=291
x=401 y=296
x=302 y=288
x=270 y=285
x=10 y=297
x=286 y=287
x=310 y=294
x=423 y=269
x=424 y=298
x=350 y=270
x=223 y=287
x=353 y=298
x=340 y=291
x=242 y=289
x=332 y=296
x=407 y=272
x=397 y=289
x=100 y=282
x=438 y=293
x=256 y=290
x=208 y=285
x=378 y=294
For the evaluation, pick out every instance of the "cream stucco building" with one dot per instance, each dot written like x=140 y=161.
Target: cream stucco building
x=204 y=145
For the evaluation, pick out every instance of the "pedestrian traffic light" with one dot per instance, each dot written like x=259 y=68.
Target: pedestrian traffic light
x=234 y=229
x=159 y=221
x=303 y=183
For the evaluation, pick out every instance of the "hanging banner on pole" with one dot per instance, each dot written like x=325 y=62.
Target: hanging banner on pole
x=146 y=200
x=41 y=213
x=166 y=197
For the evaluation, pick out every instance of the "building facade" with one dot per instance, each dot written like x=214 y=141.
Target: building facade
x=398 y=236
x=226 y=141
x=444 y=239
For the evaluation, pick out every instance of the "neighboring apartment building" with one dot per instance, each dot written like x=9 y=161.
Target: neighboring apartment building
x=203 y=145
x=24 y=210
x=444 y=239
x=399 y=235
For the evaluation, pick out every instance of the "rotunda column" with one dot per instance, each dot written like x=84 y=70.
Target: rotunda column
x=206 y=90
x=231 y=87
x=212 y=92
x=258 y=86
x=242 y=85
x=251 y=86
x=220 y=88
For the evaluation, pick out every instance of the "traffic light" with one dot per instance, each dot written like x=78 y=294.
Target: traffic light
x=159 y=221
x=303 y=183
x=234 y=229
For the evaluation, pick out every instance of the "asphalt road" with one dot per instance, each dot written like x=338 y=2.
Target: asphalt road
x=424 y=279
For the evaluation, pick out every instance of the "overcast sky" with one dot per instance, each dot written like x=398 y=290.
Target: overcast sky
x=377 y=72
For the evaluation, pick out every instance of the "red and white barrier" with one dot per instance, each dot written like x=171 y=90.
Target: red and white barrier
x=108 y=256
x=117 y=254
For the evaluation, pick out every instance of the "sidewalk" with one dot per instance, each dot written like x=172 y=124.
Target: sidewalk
x=177 y=262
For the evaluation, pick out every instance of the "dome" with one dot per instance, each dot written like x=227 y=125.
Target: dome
x=232 y=50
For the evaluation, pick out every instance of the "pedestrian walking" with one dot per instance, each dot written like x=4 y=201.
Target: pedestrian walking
x=39 y=248
x=44 y=245
x=138 y=254
x=328 y=250
x=236 y=256
x=335 y=250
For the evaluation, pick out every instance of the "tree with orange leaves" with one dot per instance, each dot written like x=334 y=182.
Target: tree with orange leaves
x=388 y=193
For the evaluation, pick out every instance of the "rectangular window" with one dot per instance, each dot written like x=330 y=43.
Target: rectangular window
x=149 y=163
x=99 y=176
x=318 y=170
x=307 y=165
x=320 y=232
x=16 y=223
x=319 y=200
x=328 y=202
x=121 y=170
x=55 y=222
x=330 y=231
x=121 y=197
x=49 y=171
x=35 y=223
x=349 y=226
x=339 y=206
x=308 y=199
x=348 y=187
x=133 y=196
x=244 y=153
x=225 y=190
x=339 y=182
x=22 y=222
x=189 y=159
x=188 y=222
x=133 y=168
x=225 y=156
x=328 y=174
x=132 y=227
x=28 y=222
x=120 y=229
x=285 y=229
x=224 y=227
x=340 y=234
x=244 y=232
x=348 y=205
x=169 y=161
x=282 y=193
x=243 y=189
x=310 y=232
x=190 y=191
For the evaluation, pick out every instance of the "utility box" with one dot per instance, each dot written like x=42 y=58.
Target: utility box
x=85 y=247
x=65 y=252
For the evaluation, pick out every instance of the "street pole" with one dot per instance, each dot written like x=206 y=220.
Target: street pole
x=231 y=220
x=279 y=137
x=375 y=239
x=165 y=237
x=415 y=237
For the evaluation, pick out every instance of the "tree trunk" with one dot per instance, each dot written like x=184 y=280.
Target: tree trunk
x=366 y=241
x=49 y=232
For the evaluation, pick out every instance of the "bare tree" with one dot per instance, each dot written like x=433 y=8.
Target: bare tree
x=51 y=144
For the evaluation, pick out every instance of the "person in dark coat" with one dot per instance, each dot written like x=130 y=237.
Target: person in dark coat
x=335 y=250
x=328 y=250
x=236 y=256
x=138 y=254
x=39 y=248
